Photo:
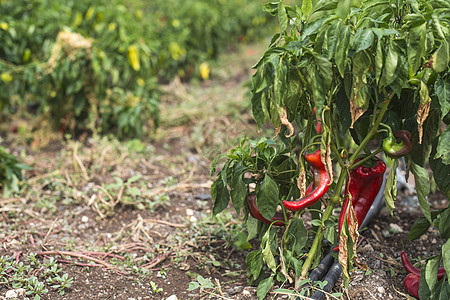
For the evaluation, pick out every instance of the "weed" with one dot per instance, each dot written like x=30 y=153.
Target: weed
x=155 y=289
x=32 y=275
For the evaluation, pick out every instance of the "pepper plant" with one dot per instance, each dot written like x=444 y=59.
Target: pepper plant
x=341 y=79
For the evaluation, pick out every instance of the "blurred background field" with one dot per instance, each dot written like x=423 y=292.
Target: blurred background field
x=85 y=66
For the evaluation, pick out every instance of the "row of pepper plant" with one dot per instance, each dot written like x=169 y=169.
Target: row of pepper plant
x=96 y=65
x=351 y=92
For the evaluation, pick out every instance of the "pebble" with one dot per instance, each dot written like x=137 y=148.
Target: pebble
x=189 y=212
x=14 y=294
x=395 y=228
x=173 y=297
x=381 y=290
x=84 y=219
x=235 y=290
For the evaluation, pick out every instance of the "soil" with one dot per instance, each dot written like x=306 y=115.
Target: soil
x=104 y=235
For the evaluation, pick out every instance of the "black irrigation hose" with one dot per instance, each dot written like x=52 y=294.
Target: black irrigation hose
x=332 y=266
x=332 y=276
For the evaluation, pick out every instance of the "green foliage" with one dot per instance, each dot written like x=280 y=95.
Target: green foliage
x=96 y=66
x=360 y=66
x=10 y=173
x=34 y=276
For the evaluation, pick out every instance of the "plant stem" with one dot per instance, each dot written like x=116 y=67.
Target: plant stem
x=366 y=158
x=317 y=243
x=373 y=130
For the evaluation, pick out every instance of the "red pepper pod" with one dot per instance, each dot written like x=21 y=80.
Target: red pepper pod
x=321 y=184
x=363 y=186
x=410 y=268
x=277 y=220
x=412 y=284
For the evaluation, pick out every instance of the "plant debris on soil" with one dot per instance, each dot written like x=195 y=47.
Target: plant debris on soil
x=132 y=219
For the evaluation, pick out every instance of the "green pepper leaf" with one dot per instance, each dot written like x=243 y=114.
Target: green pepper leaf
x=441 y=172
x=422 y=181
x=446 y=255
x=264 y=287
x=282 y=17
x=444 y=224
x=443 y=149
x=419 y=228
x=252 y=228
x=442 y=90
x=254 y=264
x=363 y=39
x=297 y=235
x=267 y=254
x=219 y=195
x=390 y=192
x=389 y=66
x=306 y=7
x=431 y=269
x=424 y=289
x=325 y=5
x=441 y=57
x=417 y=43
x=267 y=197
x=342 y=45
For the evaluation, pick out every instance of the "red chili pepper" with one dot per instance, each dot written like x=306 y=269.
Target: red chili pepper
x=409 y=267
x=363 y=185
x=412 y=284
x=277 y=220
x=395 y=150
x=321 y=184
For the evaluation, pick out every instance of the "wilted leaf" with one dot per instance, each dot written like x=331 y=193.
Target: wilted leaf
x=355 y=110
x=424 y=108
x=285 y=122
x=301 y=182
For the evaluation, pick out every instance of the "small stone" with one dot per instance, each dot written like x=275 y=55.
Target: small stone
x=14 y=294
x=434 y=241
x=189 y=212
x=381 y=290
x=367 y=248
x=172 y=297
x=84 y=219
x=246 y=293
x=395 y=228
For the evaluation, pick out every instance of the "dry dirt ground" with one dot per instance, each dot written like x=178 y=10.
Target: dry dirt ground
x=132 y=220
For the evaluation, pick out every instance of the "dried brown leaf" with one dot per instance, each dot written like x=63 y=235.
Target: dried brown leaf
x=301 y=183
x=355 y=110
x=424 y=109
x=284 y=121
